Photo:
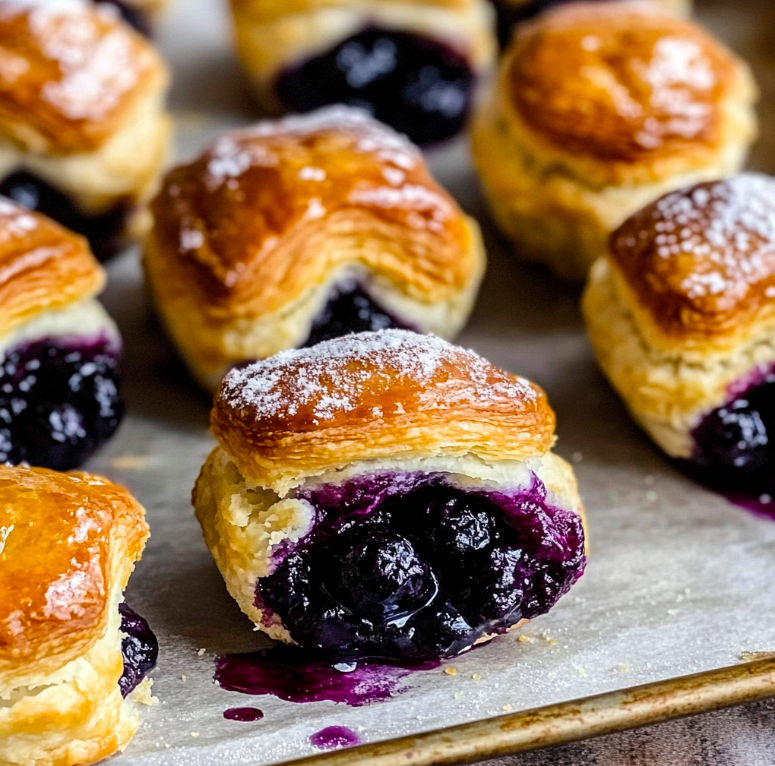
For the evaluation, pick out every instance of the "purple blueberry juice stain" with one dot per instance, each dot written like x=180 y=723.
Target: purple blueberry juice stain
x=734 y=445
x=410 y=567
x=418 y=86
x=60 y=400
x=291 y=675
x=334 y=738
x=139 y=649
x=243 y=714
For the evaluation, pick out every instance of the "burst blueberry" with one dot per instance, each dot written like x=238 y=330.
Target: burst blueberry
x=139 y=649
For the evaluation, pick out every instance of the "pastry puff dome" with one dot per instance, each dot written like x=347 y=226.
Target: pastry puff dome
x=683 y=304
x=273 y=217
x=600 y=108
x=43 y=267
x=73 y=75
x=68 y=543
x=375 y=396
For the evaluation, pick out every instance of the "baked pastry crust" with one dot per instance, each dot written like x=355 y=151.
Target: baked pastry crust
x=81 y=103
x=69 y=544
x=43 y=267
x=391 y=402
x=683 y=305
x=250 y=239
x=271 y=35
x=598 y=109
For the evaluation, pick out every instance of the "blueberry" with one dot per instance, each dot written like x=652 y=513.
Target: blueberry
x=418 y=86
x=439 y=631
x=139 y=647
x=350 y=310
x=734 y=447
x=58 y=403
x=380 y=574
x=104 y=231
x=133 y=16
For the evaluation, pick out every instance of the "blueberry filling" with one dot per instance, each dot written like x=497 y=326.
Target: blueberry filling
x=105 y=232
x=139 y=648
x=133 y=16
x=351 y=310
x=510 y=14
x=420 y=87
x=735 y=444
x=411 y=567
x=59 y=401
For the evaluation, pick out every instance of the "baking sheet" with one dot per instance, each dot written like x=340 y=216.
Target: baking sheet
x=678 y=582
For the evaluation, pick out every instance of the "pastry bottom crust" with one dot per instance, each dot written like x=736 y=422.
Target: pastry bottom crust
x=77 y=715
x=666 y=394
x=559 y=218
x=211 y=349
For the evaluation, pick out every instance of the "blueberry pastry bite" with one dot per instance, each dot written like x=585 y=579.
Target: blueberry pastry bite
x=388 y=495
x=415 y=64
x=600 y=108
x=74 y=658
x=681 y=313
x=83 y=132
x=59 y=350
x=511 y=13
x=304 y=229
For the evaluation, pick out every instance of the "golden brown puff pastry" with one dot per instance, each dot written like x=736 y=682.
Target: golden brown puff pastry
x=371 y=496
x=598 y=109
x=68 y=543
x=52 y=326
x=416 y=64
x=681 y=314
x=302 y=229
x=83 y=133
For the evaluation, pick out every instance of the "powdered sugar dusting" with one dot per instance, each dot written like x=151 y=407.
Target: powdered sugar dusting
x=234 y=154
x=723 y=234
x=97 y=67
x=333 y=377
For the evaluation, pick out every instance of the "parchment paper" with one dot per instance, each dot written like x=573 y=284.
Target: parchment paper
x=678 y=581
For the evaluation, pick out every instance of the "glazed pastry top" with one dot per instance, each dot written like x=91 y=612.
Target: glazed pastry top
x=621 y=82
x=42 y=266
x=70 y=74
x=270 y=8
x=63 y=538
x=269 y=212
x=376 y=395
x=701 y=262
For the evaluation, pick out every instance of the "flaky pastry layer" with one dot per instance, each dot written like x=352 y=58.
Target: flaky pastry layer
x=374 y=396
x=244 y=524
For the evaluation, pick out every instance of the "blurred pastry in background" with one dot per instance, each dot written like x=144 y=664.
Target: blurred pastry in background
x=388 y=495
x=60 y=352
x=139 y=13
x=681 y=314
x=600 y=108
x=414 y=65
x=305 y=229
x=74 y=658
x=83 y=131
x=511 y=13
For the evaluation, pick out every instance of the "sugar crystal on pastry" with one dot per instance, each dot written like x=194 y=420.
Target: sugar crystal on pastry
x=60 y=352
x=686 y=296
x=300 y=230
x=74 y=658
x=388 y=495
x=82 y=127
x=599 y=109
x=414 y=64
